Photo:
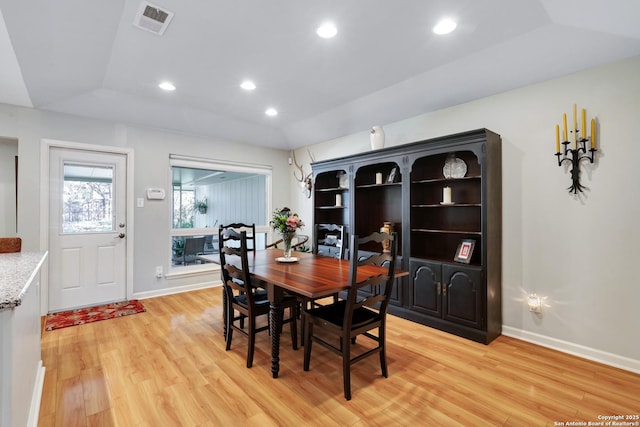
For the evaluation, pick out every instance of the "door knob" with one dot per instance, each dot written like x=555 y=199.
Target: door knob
x=121 y=235
x=121 y=225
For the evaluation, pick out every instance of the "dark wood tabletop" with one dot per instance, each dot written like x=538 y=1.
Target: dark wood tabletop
x=311 y=276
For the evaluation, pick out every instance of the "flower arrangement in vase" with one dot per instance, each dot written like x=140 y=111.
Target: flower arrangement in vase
x=286 y=223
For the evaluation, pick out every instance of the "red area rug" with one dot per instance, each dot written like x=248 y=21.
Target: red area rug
x=92 y=314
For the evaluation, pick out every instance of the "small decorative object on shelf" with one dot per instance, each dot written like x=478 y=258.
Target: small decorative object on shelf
x=343 y=179
x=392 y=176
x=454 y=167
x=286 y=223
x=338 y=200
x=378 y=178
x=465 y=251
x=579 y=151
x=377 y=137
x=446 y=196
x=386 y=228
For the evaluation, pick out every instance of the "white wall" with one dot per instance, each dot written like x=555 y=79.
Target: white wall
x=151 y=169
x=8 y=152
x=577 y=251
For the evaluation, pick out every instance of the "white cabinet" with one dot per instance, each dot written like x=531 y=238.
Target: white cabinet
x=21 y=370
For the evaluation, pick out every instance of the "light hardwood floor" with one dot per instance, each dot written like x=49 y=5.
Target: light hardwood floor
x=168 y=367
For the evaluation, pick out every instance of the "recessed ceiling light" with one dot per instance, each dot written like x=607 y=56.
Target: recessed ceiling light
x=327 y=30
x=168 y=86
x=271 y=112
x=248 y=85
x=444 y=27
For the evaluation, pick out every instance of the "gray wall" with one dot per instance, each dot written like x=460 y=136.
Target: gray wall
x=151 y=169
x=578 y=252
x=8 y=151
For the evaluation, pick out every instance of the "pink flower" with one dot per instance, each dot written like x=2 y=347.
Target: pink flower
x=293 y=222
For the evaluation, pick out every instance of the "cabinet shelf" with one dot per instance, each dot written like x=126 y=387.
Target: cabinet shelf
x=331 y=207
x=328 y=190
x=448 y=261
x=440 y=231
x=389 y=184
x=445 y=180
x=452 y=205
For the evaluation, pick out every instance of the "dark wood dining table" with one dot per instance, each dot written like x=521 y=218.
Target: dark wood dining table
x=312 y=276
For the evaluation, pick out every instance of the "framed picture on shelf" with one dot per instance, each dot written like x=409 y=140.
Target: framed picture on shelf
x=465 y=251
x=392 y=176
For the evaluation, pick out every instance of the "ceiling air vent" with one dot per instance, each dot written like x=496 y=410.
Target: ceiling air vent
x=151 y=18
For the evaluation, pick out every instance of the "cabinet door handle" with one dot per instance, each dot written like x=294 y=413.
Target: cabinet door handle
x=439 y=288
x=444 y=289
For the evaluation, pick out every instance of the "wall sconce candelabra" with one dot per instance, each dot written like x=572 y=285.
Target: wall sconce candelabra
x=579 y=151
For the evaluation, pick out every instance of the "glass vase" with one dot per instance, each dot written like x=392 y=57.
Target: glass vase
x=286 y=242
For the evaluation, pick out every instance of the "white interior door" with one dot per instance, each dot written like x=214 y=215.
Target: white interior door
x=87 y=229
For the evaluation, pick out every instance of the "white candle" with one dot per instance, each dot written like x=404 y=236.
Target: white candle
x=378 y=178
x=446 y=195
x=338 y=199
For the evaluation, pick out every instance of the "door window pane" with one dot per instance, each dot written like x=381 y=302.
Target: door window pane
x=88 y=199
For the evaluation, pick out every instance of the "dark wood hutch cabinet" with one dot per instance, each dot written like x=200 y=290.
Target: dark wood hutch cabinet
x=460 y=298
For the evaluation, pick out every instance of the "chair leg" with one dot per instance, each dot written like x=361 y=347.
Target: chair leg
x=308 y=327
x=383 y=356
x=228 y=322
x=346 y=368
x=252 y=340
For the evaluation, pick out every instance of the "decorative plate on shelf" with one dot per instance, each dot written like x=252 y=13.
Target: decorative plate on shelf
x=283 y=259
x=454 y=167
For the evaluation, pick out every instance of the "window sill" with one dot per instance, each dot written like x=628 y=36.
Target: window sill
x=192 y=271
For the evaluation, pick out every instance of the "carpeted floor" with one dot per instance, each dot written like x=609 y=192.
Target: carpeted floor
x=92 y=314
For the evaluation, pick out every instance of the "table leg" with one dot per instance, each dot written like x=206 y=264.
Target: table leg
x=275 y=324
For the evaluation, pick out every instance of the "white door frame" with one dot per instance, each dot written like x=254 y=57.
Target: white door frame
x=45 y=148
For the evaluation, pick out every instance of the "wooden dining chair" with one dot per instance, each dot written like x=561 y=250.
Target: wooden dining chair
x=251 y=233
x=10 y=245
x=242 y=297
x=357 y=315
x=329 y=240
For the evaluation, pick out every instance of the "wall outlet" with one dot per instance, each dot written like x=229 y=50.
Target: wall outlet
x=159 y=272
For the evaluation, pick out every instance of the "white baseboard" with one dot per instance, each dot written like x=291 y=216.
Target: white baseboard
x=36 y=397
x=177 y=289
x=575 y=349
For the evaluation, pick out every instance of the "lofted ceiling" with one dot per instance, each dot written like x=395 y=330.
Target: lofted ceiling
x=85 y=57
